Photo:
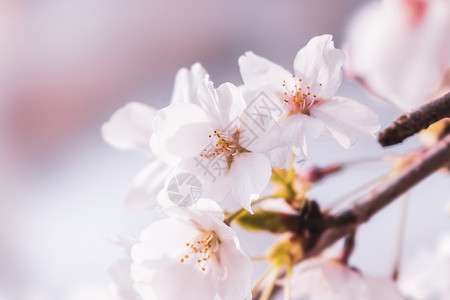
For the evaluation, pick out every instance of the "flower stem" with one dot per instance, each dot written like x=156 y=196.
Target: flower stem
x=260 y=281
x=364 y=160
x=269 y=288
x=401 y=231
x=356 y=191
x=288 y=282
x=233 y=215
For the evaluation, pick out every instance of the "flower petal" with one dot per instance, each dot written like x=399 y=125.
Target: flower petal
x=230 y=102
x=181 y=129
x=223 y=105
x=315 y=128
x=186 y=84
x=259 y=136
x=299 y=148
x=379 y=42
x=292 y=139
x=347 y=119
x=319 y=65
x=203 y=206
x=212 y=175
x=238 y=265
x=172 y=234
x=210 y=207
x=189 y=140
x=121 y=282
x=260 y=73
x=249 y=175
x=144 y=190
x=160 y=273
x=323 y=278
x=130 y=127
x=156 y=261
x=279 y=156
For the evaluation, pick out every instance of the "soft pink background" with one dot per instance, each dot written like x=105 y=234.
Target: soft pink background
x=67 y=65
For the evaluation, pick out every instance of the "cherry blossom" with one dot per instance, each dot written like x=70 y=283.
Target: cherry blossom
x=131 y=127
x=217 y=141
x=323 y=278
x=121 y=283
x=191 y=255
x=399 y=49
x=307 y=98
x=427 y=276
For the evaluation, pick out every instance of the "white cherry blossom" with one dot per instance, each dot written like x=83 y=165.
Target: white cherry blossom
x=191 y=255
x=323 y=278
x=307 y=99
x=119 y=273
x=218 y=142
x=400 y=49
x=131 y=127
x=427 y=276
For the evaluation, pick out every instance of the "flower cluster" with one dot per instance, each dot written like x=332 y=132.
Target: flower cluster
x=229 y=142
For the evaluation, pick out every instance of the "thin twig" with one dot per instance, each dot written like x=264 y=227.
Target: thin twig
x=356 y=192
x=363 y=209
x=411 y=123
x=400 y=237
x=269 y=290
x=349 y=246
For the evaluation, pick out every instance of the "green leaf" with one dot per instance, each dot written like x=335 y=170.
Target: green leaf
x=261 y=220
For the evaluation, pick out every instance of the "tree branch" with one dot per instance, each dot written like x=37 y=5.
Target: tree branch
x=363 y=209
x=349 y=246
x=411 y=123
x=345 y=223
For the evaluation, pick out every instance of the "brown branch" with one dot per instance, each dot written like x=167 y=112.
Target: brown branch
x=345 y=223
x=349 y=246
x=363 y=209
x=411 y=123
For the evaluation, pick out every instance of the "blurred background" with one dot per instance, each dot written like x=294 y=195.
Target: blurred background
x=67 y=65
